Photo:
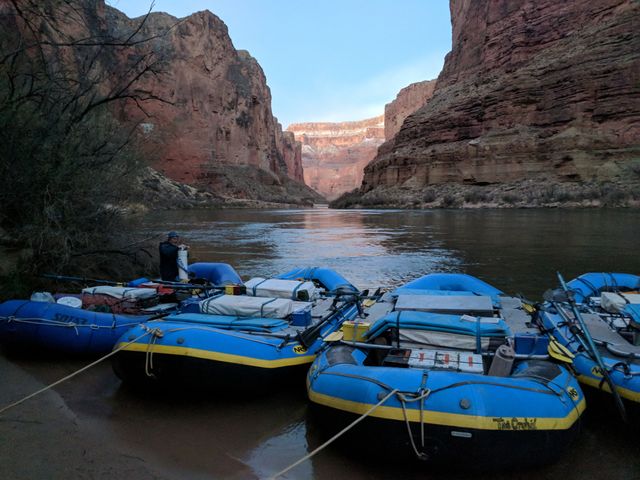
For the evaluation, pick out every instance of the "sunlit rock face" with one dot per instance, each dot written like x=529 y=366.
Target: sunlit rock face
x=334 y=154
x=531 y=87
x=213 y=118
x=408 y=100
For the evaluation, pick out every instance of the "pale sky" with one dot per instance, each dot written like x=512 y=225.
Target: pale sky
x=329 y=60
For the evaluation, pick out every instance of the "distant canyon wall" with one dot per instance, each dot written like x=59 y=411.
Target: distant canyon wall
x=531 y=87
x=334 y=154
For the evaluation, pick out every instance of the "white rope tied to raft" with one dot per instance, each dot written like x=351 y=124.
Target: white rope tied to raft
x=336 y=436
x=403 y=401
x=113 y=352
x=148 y=358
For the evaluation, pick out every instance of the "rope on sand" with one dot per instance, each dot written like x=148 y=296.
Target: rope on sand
x=58 y=382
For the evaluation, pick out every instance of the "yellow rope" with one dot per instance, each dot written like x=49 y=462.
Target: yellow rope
x=147 y=332
x=336 y=436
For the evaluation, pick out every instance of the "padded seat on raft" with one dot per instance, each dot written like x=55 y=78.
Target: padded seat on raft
x=435 y=322
x=479 y=305
x=229 y=322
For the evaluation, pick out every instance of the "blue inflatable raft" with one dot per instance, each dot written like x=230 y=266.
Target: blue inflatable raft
x=268 y=333
x=100 y=315
x=447 y=369
x=609 y=303
x=48 y=326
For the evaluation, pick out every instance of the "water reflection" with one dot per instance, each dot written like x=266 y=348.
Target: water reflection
x=281 y=450
x=517 y=250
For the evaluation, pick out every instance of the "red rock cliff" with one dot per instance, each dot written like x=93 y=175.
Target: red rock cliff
x=215 y=119
x=334 y=154
x=531 y=87
x=408 y=100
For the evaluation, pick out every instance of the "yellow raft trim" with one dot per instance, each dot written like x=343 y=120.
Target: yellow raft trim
x=452 y=419
x=217 y=356
x=623 y=392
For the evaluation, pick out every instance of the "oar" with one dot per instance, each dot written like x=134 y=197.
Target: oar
x=187 y=286
x=80 y=279
x=559 y=352
x=308 y=336
x=593 y=350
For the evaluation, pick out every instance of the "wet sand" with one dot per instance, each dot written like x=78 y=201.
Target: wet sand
x=93 y=428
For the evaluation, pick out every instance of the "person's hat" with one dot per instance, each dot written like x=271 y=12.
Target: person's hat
x=172 y=235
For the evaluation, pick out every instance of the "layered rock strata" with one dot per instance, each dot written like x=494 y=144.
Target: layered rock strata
x=531 y=88
x=408 y=100
x=203 y=107
x=212 y=114
x=335 y=154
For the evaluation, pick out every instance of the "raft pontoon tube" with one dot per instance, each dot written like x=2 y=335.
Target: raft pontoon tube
x=609 y=303
x=239 y=342
x=455 y=389
x=57 y=327
x=218 y=274
x=107 y=312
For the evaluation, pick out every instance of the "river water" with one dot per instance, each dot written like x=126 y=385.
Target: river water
x=518 y=251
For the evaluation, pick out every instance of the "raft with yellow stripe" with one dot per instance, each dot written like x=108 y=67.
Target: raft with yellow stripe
x=450 y=370
x=610 y=306
x=236 y=349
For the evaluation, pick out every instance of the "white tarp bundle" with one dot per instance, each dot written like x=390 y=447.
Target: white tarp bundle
x=274 y=287
x=412 y=337
x=615 y=302
x=244 y=306
x=121 y=292
x=448 y=304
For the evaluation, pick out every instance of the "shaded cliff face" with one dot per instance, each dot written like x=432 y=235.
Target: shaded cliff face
x=335 y=154
x=408 y=100
x=530 y=88
x=212 y=118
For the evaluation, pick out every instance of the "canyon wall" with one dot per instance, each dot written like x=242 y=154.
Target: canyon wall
x=531 y=88
x=335 y=154
x=209 y=123
x=408 y=100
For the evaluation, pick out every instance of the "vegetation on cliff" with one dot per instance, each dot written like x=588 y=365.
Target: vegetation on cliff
x=536 y=192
